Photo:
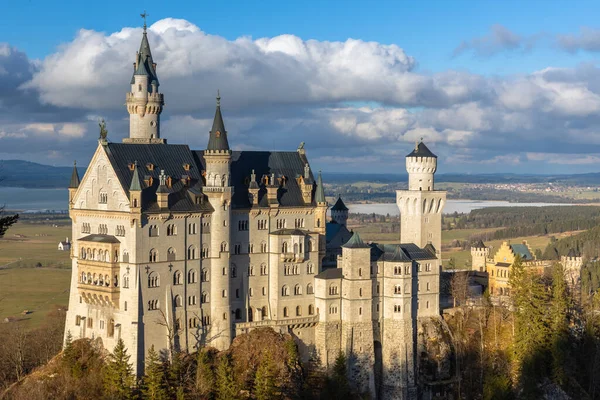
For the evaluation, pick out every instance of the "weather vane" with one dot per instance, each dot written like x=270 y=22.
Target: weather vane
x=144 y=15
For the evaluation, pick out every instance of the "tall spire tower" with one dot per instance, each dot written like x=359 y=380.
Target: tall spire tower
x=144 y=102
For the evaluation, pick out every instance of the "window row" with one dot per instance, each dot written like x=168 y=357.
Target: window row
x=98 y=279
x=192 y=254
x=285 y=290
x=311 y=311
x=110 y=325
x=87 y=253
x=398 y=270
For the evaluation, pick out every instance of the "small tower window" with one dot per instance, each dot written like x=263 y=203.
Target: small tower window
x=139 y=87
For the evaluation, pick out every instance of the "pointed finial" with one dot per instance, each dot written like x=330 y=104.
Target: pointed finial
x=253 y=176
x=218 y=98
x=144 y=15
x=421 y=139
x=416 y=145
x=75 y=163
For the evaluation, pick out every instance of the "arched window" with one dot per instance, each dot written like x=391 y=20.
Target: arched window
x=263 y=269
x=126 y=281
x=153 y=255
x=223 y=247
x=233 y=271
x=333 y=290
x=298 y=311
x=311 y=309
x=192 y=276
x=284 y=247
x=310 y=246
x=191 y=252
x=310 y=268
x=285 y=312
x=171 y=254
x=204 y=275
x=238 y=313
x=125 y=256
x=250 y=314
x=177 y=301
x=204 y=297
x=398 y=289
x=297 y=290
x=251 y=270
x=295 y=248
x=309 y=289
x=263 y=312
x=263 y=247
x=177 y=278
x=153 y=280
x=285 y=290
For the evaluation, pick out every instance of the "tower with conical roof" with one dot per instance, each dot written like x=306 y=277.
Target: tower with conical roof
x=421 y=205
x=144 y=102
x=339 y=212
x=321 y=211
x=73 y=184
x=219 y=192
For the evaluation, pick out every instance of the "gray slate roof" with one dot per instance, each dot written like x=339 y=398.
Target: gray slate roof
x=145 y=63
x=168 y=157
x=331 y=273
x=171 y=158
x=400 y=252
x=320 y=195
x=100 y=239
x=478 y=244
x=285 y=232
x=74 y=183
x=217 y=139
x=280 y=163
x=421 y=151
x=339 y=205
x=573 y=253
x=355 y=242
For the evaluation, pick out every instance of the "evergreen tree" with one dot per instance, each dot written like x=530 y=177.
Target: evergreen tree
x=226 y=385
x=559 y=324
x=154 y=379
x=205 y=376
x=530 y=301
x=265 y=381
x=118 y=374
x=337 y=385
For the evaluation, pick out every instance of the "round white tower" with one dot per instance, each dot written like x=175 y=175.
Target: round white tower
x=144 y=102
x=421 y=165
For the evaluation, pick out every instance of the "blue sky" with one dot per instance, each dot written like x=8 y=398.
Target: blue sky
x=494 y=85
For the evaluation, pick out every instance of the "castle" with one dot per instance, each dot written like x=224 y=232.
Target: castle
x=494 y=272
x=178 y=249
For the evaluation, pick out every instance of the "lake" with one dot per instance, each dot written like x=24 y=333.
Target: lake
x=460 y=206
x=56 y=199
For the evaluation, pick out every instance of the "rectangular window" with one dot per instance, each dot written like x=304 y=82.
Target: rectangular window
x=90 y=323
x=77 y=320
x=262 y=224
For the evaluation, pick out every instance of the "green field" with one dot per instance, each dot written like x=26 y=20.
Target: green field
x=22 y=285
x=33 y=289
x=26 y=244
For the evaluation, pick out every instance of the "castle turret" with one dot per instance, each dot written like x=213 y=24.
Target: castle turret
x=479 y=255
x=144 y=102
x=421 y=205
x=219 y=192
x=339 y=212
x=321 y=211
x=572 y=264
x=73 y=184
x=356 y=313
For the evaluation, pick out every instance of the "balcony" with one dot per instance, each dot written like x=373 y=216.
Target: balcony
x=107 y=296
x=98 y=282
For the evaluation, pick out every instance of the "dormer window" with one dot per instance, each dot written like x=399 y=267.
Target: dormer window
x=103 y=198
x=150 y=167
x=186 y=167
x=131 y=166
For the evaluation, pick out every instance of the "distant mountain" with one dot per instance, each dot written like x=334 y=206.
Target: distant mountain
x=19 y=173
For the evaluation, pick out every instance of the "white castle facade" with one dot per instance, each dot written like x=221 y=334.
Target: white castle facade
x=178 y=249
